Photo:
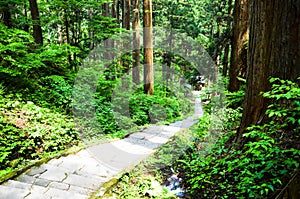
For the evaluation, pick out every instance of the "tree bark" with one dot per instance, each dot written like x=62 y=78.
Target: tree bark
x=37 y=29
x=136 y=43
x=148 y=50
x=238 y=62
x=274 y=51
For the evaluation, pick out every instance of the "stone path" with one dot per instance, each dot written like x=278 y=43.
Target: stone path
x=78 y=176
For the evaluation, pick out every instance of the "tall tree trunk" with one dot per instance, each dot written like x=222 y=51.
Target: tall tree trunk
x=127 y=41
x=127 y=14
x=274 y=51
x=226 y=51
x=136 y=43
x=6 y=15
x=26 y=25
x=225 y=60
x=37 y=29
x=118 y=12
x=238 y=62
x=148 y=50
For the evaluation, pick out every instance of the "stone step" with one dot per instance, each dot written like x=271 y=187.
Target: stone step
x=12 y=193
x=21 y=190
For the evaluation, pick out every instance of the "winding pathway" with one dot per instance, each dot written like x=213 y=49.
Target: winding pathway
x=78 y=176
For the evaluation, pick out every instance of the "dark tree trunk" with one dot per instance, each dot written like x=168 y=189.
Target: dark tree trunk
x=6 y=15
x=238 y=62
x=148 y=49
x=227 y=46
x=37 y=29
x=136 y=43
x=225 y=61
x=274 y=51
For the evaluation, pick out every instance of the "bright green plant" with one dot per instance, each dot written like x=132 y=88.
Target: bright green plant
x=269 y=155
x=29 y=132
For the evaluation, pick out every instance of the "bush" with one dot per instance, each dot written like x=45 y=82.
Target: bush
x=268 y=157
x=29 y=132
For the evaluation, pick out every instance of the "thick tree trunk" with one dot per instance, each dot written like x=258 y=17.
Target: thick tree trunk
x=37 y=29
x=148 y=50
x=238 y=63
x=136 y=43
x=274 y=51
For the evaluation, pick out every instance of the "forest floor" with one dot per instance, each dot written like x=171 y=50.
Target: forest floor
x=82 y=174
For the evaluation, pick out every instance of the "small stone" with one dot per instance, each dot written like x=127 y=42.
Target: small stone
x=12 y=193
x=54 y=173
x=25 y=178
x=80 y=190
x=16 y=184
x=36 y=171
x=42 y=182
x=59 y=185
x=56 y=193
x=81 y=181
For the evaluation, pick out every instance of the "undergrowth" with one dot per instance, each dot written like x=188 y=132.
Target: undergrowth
x=268 y=157
x=29 y=132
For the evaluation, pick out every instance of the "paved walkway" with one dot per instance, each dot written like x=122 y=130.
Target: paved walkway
x=78 y=176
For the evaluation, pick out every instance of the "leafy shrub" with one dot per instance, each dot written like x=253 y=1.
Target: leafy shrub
x=17 y=58
x=29 y=132
x=269 y=156
x=161 y=106
x=57 y=92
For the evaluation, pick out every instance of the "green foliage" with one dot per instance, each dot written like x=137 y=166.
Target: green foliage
x=17 y=58
x=270 y=153
x=29 y=132
x=161 y=106
x=57 y=92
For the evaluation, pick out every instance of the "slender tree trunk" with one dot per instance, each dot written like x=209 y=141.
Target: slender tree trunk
x=91 y=32
x=6 y=15
x=274 y=51
x=118 y=12
x=26 y=25
x=123 y=13
x=136 y=43
x=127 y=41
x=238 y=62
x=127 y=14
x=226 y=50
x=60 y=34
x=37 y=29
x=225 y=60
x=148 y=50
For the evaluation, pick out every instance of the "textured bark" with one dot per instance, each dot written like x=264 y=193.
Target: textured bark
x=136 y=43
x=148 y=50
x=37 y=29
x=238 y=62
x=274 y=51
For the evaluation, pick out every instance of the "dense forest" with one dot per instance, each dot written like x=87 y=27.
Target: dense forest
x=77 y=72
